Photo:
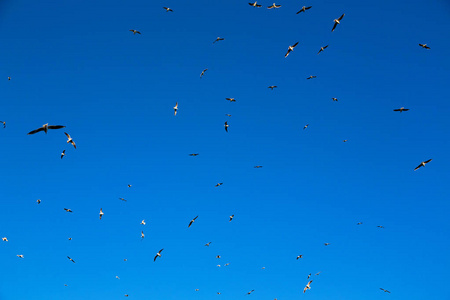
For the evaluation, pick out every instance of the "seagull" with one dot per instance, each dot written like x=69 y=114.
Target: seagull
x=192 y=221
x=231 y=99
x=218 y=39
x=308 y=276
x=401 y=109
x=299 y=256
x=380 y=226
x=228 y=115
x=307 y=287
x=142 y=234
x=9 y=78
x=193 y=154
x=345 y=141
x=359 y=223
x=129 y=185
x=334 y=99
x=101 y=213
x=273 y=6
x=272 y=87
x=424 y=46
x=304 y=8
x=5 y=239
x=38 y=201
x=20 y=255
x=203 y=73
x=386 y=291
x=422 y=164
x=207 y=244
x=231 y=218
x=218 y=266
x=70 y=259
x=255 y=4
x=69 y=140
x=123 y=199
x=4 y=124
x=250 y=292
x=322 y=48
x=143 y=222
x=326 y=244
x=168 y=9
x=45 y=127
x=158 y=254
x=69 y=239
x=337 y=21
x=135 y=31
x=218 y=256
x=291 y=48
x=257 y=167
x=68 y=210
x=226 y=126
x=311 y=77
x=306 y=126
x=218 y=293
x=63 y=153
x=219 y=184
x=117 y=277
x=175 y=108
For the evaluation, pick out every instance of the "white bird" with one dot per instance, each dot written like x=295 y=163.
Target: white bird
x=101 y=213
x=175 y=108
x=299 y=256
x=20 y=255
x=308 y=286
x=291 y=48
x=117 y=277
x=337 y=21
x=45 y=128
x=63 y=153
x=4 y=239
x=70 y=140
x=143 y=222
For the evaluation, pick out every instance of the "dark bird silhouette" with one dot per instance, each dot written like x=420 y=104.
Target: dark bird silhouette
x=304 y=8
x=45 y=128
x=272 y=87
x=207 y=244
x=70 y=259
x=193 y=154
x=386 y=291
x=401 y=109
x=63 y=153
x=311 y=77
x=231 y=99
x=203 y=73
x=4 y=124
x=257 y=167
x=192 y=221
x=255 y=4
x=290 y=49
x=68 y=210
x=334 y=99
x=322 y=48
x=158 y=254
x=337 y=21
x=306 y=126
x=122 y=199
x=226 y=126
x=231 y=218
x=422 y=164
x=299 y=256
x=219 y=184
x=135 y=31
x=218 y=39
x=273 y=6
x=424 y=46
x=168 y=9
x=248 y=293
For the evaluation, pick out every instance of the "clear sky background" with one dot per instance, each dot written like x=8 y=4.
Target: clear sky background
x=77 y=64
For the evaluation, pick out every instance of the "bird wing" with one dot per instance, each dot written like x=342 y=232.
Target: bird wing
x=308 y=7
x=418 y=167
x=154 y=259
x=427 y=161
x=340 y=18
x=325 y=47
x=55 y=126
x=68 y=135
x=334 y=27
x=287 y=53
x=294 y=45
x=195 y=217
x=36 y=130
x=397 y=109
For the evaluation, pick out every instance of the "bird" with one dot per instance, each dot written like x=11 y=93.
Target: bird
x=168 y=9
x=218 y=184
x=422 y=164
x=45 y=127
x=126 y=295
x=308 y=286
x=175 y=108
x=272 y=87
x=291 y=48
x=70 y=140
x=326 y=244
x=226 y=126
x=218 y=256
x=228 y=115
x=101 y=213
x=227 y=264
x=9 y=78
x=248 y=293
x=197 y=290
x=20 y=255
x=117 y=277
x=317 y=273
x=68 y=210
x=218 y=39
x=207 y=244
x=337 y=21
x=334 y=99
x=123 y=199
x=345 y=141
x=5 y=239
x=322 y=48
x=4 y=124
x=263 y=268
x=38 y=201
x=306 y=126
x=142 y=234
x=69 y=239
x=203 y=73
x=304 y=8
x=311 y=77
x=359 y=223
x=309 y=275
x=218 y=293
x=135 y=31
x=421 y=45
x=63 y=153
x=384 y=290
x=71 y=259
x=192 y=221
x=143 y=222
x=255 y=4
x=231 y=99
x=125 y=259
x=218 y=266
x=231 y=218
x=193 y=154
x=273 y=6
x=380 y=226
x=299 y=256
x=257 y=167
x=401 y=109
x=158 y=254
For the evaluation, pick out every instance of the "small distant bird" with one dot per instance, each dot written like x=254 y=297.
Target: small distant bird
x=309 y=275
x=317 y=273
x=359 y=223
x=125 y=259
x=255 y=4
x=135 y=31
x=345 y=141
x=218 y=266
x=5 y=239
x=272 y=87
x=326 y=244
x=45 y=127
x=337 y=21
x=231 y=218
x=117 y=277
x=65 y=285
x=218 y=293
x=143 y=222
x=142 y=234
x=218 y=256
x=192 y=221
x=273 y=6
x=304 y=8
x=311 y=77
x=63 y=153
x=20 y=255
x=227 y=264
x=203 y=73
x=322 y=48
x=126 y=295
x=299 y=256
x=9 y=78
x=69 y=239
x=197 y=290
x=207 y=244
x=257 y=167
x=231 y=99
x=123 y=199
x=250 y=292
x=4 y=124
x=70 y=259
x=38 y=201
x=421 y=45
x=129 y=185
x=422 y=164
x=168 y=9
x=334 y=99
x=175 y=108
x=290 y=49
x=101 y=213
x=386 y=291
x=218 y=39
x=70 y=140
x=158 y=254
x=226 y=126
x=379 y=226
x=193 y=154
x=68 y=210
x=263 y=268
x=306 y=126
x=218 y=184
x=401 y=109
x=308 y=286
x=228 y=115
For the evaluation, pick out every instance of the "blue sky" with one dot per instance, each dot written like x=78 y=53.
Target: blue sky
x=77 y=64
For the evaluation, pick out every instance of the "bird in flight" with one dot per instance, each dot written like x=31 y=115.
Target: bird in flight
x=5 y=239
x=227 y=264
x=309 y=275
x=194 y=154
x=203 y=73
x=337 y=21
x=311 y=77
x=192 y=221
x=69 y=239
x=386 y=291
x=334 y=99
x=308 y=286
x=231 y=218
x=401 y=109
x=226 y=126
x=143 y=222
x=158 y=254
x=218 y=184
x=291 y=48
x=317 y=273
x=326 y=244
x=38 y=201
x=255 y=4
x=250 y=292
x=231 y=99
x=4 y=124
x=135 y=31
x=207 y=244
x=304 y=8
x=380 y=226
x=70 y=140
x=306 y=126
x=322 y=48
x=273 y=6
x=422 y=164
x=20 y=255
x=228 y=115
x=424 y=46
x=70 y=259
x=63 y=153
x=129 y=185
x=68 y=210
x=175 y=109
x=117 y=277
x=45 y=127
x=272 y=87
x=299 y=256
x=142 y=235
x=9 y=78
x=359 y=223
x=197 y=290
x=218 y=39
x=101 y=213
x=345 y=141
x=257 y=167
x=168 y=9
x=218 y=256
x=123 y=199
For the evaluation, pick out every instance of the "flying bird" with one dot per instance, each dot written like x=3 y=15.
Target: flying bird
x=117 y=277
x=291 y=48
x=68 y=210
x=337 y=21
x=63 y=153
x=129 y=185
x=197 y=290
x=5 y=239
x=218 y=39
x=422 y=164
x=250 y=292
x=45 y=127
x=401 y=109
x=9 y=78
x=193 y=154
x=322 y=48
x=231 y=99
x=4 y=124
x=304 y=8
x=309 y=275
x=380 y=226
x=207 y=244
x=227 y=264
x=168 y=9
x=231 y=218
x=306 y=126
x=192 y=221
x=175 y=108
x=226 y=126
x=359 y=223
x=273 y=6
x=272 y=87
x=158 y=254
x=386 y=291
x=123 y=199
x=317 y=273
x=20 y=255
x=228 y=115
x=218 y=266
x=101 y=213
x=70 y=259
x=326 y=244
x=143 y=222
x=299 y=256
x=70 y=140
x=142 y=235
x=218 y=256
x=257 y=167
x=308 y=286
x=255 y=4
x=69 y=239
x=38 y=201
x=334 y=99
x=135 y=31
x=345 y=141
x=311 y=77
x=421 y=45
x=203 y=73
